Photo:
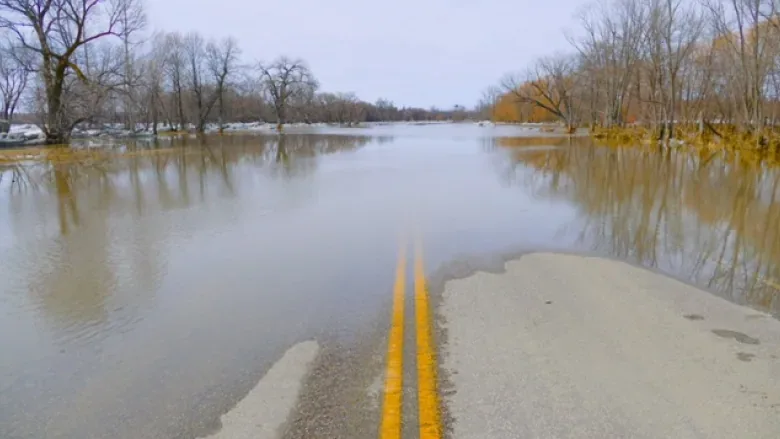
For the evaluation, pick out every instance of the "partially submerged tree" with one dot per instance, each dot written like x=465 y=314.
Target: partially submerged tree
x=283 y=80
x=55 y=30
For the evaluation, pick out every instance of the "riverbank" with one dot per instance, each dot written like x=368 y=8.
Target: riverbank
x=571 y=346
x=710 y=136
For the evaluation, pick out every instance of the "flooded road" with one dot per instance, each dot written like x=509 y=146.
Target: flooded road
x=145 y=293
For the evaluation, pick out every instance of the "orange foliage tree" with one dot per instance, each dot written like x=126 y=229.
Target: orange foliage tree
x=547 y=92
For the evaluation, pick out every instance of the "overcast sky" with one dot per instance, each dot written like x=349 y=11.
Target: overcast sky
x=413 y=52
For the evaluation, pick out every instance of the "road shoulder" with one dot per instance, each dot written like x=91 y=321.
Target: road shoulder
x=266 y=407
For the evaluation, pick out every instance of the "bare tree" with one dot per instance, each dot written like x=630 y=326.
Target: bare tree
x=386 y=110
x=346 y=108
x=14 y=76
x=209 y=67
x=56 y=30
x=284 y=79
x=550 y=85
x=223 y=59
x=132 y=77
x=610 y=51
x=747 y=49
x=487 y=103
x=305 y=106
x=153 y=74
x=87 y=99
x=671 y=37
x=664 y=63
x=175 y=65
x=195 y=54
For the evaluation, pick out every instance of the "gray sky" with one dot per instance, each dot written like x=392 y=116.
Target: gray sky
x=413 y=52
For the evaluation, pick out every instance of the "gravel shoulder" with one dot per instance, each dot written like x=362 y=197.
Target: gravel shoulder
x=563 y=346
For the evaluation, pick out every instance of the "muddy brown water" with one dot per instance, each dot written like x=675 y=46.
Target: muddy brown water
x=144 y=292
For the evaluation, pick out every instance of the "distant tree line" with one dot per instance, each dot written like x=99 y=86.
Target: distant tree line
x=85 y=62
x=712 y=65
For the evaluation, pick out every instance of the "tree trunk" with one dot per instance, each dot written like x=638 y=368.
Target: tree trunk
x=662 y=127
x=221 y=113
x=701 y=122
x=671 y=113
x=56 y=131
x=56 y=136
x=154 y=117
x=181 y=111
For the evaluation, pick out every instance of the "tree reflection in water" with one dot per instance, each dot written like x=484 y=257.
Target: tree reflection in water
x=163 y=173
x=88 y=216
x=710 y=218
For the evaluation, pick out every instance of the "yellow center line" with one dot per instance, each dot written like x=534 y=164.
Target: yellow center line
x=428 y=397
x=391 y=406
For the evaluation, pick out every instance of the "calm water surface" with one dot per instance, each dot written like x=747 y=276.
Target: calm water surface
x=143 y=294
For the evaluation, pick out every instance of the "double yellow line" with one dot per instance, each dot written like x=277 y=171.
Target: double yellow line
x=427 y=395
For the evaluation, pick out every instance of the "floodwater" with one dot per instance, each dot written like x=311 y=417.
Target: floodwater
x=145 y=291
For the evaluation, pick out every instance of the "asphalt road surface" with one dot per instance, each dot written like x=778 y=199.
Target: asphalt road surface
x=551 y=346
x=564 y=346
